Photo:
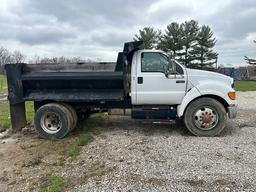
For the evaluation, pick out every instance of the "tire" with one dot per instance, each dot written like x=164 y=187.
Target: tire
x=205 y=117
x=73 y=115
x=52 y=121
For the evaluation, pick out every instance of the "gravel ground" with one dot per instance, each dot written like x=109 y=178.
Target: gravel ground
x=129 y=156
x=135 y=157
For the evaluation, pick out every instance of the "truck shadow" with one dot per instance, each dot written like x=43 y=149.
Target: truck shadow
x=131 y=126
x=125 y=125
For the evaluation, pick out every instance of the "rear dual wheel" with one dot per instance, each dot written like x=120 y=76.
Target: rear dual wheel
x=54 y=120
x=72 y=114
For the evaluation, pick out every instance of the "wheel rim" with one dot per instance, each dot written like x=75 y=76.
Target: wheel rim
x=206 y=118
x=51 y=122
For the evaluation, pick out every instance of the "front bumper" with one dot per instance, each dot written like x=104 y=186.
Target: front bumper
x=232 y=111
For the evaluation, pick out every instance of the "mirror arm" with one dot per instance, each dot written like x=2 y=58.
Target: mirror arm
x=166 y=73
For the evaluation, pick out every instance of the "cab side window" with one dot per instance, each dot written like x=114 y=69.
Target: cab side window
x=153 y=62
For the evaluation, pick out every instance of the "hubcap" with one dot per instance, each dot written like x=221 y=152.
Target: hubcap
x=206 y=118
x=51 y=122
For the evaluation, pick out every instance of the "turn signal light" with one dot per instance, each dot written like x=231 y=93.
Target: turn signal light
x=232 y=95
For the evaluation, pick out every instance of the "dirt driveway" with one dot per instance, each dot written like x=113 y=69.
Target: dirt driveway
x=128 y=156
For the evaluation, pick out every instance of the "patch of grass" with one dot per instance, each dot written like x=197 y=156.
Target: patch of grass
x=93 y=121
x=3 y=84
x=52 y=183
x=4 y=115
x=89 y=128
x=5 y=120
x=33 y=162
x=59 y=162
x=245 y=85
x=73 y=150
x=30 y=111
x=84 y=139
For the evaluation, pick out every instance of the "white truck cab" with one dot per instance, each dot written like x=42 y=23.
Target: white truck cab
x=203 y=99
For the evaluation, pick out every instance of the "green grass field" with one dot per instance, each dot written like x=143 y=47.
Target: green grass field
x=5 y=121
x=3 y=84
x=245 y=85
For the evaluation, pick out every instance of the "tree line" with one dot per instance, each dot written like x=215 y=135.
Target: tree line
x=191 y=44
x=57 y=60
x=7 y=56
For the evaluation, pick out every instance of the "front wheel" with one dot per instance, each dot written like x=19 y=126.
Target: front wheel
x=205 y=117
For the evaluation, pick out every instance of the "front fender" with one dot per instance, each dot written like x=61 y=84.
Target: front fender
x=190 y=95
x=217 y=88
x=206 y=88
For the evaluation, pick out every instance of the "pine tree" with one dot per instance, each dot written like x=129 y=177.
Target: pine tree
x=171 y=40
x=250 y=60
x=149 y=36
x=192 y=45
x=189 y=32
x=203 y=54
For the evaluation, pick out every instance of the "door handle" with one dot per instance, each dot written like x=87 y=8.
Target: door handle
x=140 y=80
x=180 y=81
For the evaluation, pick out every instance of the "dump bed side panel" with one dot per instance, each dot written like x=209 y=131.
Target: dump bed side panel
x=72 y=82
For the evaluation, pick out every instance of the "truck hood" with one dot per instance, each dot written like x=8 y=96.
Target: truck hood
x=196 y=77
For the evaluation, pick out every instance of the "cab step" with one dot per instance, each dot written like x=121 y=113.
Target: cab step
x=159 y=121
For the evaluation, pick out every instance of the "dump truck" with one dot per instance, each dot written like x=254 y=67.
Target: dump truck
x=151 y=83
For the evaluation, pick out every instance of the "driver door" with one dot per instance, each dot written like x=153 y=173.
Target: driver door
x=152 y=86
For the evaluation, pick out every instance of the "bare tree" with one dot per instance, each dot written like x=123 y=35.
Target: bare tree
x=34 y=60
x=17 y=57
x=5 y=57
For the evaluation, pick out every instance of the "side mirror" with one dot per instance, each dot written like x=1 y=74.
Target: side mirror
x=172 y=63
x=166 y=73
x=171 y=68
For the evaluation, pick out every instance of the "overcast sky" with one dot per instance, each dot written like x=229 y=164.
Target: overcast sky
x=98 y=28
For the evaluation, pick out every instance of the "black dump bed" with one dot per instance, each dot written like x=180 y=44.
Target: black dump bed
x=70 y=83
